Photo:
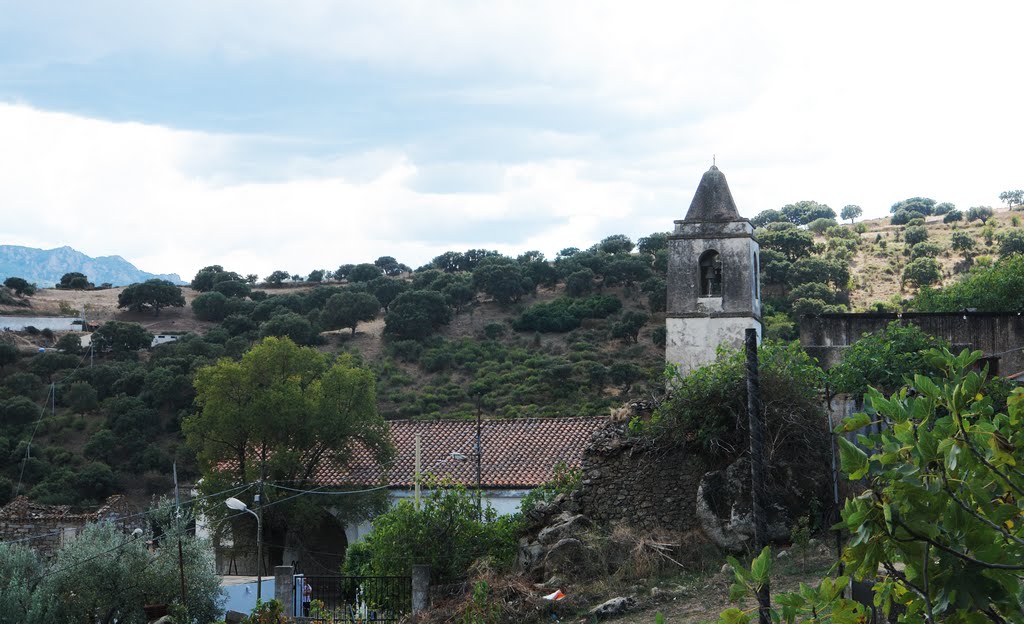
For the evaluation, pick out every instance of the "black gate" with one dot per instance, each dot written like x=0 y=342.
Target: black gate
x=340 y=599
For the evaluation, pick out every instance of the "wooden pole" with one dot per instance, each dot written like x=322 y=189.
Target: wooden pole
x=416 y=484
x=757 y=437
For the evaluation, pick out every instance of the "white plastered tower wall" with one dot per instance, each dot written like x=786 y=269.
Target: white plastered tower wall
x=714 y=291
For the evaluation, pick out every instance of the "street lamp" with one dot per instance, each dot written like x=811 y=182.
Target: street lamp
x=237 y=505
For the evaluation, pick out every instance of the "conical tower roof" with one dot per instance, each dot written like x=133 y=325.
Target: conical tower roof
x=713 y=200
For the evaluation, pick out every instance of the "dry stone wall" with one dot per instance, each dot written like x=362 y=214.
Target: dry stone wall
x=635 y=481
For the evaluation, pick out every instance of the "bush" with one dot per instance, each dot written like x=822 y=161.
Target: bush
x=922 y=272
x=565 y=314
x=915 y=234
x=987 y=287
x=926 y=249
x=210 y=306
x=449 y=533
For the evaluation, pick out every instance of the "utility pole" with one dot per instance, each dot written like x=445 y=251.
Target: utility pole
x=416 y=484
x=757 y=436
x=177 y=517
x=259 y=528
x=479 y=501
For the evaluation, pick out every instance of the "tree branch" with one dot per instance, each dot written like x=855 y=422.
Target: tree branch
x=957 y=553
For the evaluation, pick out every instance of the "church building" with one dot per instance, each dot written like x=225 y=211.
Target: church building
x=714 y=285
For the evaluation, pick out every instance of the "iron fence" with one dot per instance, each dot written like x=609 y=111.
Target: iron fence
x=364 y=599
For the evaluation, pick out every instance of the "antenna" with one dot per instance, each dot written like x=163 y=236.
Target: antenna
x=713 y=163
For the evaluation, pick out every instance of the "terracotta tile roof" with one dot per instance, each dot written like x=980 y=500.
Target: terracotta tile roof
x=518 y=453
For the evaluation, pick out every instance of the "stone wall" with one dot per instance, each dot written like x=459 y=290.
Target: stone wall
x=626 y=479
x=51 y=526
x=998 y=335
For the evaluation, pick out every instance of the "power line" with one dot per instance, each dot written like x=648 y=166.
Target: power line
x=238 y=489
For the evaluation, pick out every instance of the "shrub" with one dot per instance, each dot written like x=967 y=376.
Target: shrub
x=449 y=533
x=564 y=314
x=926 y=249
x=915 y=234
x=922 y=272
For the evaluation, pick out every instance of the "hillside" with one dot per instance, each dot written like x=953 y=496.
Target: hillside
x=44 y=267
x=471 y=333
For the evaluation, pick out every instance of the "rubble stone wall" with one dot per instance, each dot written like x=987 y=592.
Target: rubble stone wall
x=634 y=481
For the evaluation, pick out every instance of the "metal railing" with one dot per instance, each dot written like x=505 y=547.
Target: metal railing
x=344 y=599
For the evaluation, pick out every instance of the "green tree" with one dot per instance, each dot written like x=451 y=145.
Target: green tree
x=74 y=281
x=653 y=243
x=953 y=216
x=884 y=360
x=315 y=276
x=944 y=496
x=283 y=411
x=921 y=205
x=152 y=294
x=818 y=226
x=20 y=286
x=210 y=306
x=348 y=309
x=106 y=576
x=817 y=269
x=579 y=283
x=995 y=288
x=708 y=407
x=502 y=281
x=927 y=249
x=803 y=212
x=81 y=397
x=208 y=277
x=943 y=208
x=915 y=234
x=277 y=278
x=121 y=337
x=979 y=213
x=20 y=571
x=364 y=272
x=291 y=325
x=786 y=239
x=1012 y=198
x=8 y=354
x=386 y=289
x=390 y=266
x=416 y=314
x=765 y=217
x=233 y=288
x=851 y=212
x=1011 y=242
x=616 y=244
x=903 y=217
x=922 y=272
x=963 y=243
x=628 y=328
x=448 y=533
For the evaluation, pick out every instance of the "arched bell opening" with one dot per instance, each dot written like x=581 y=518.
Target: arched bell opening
x=710 y=274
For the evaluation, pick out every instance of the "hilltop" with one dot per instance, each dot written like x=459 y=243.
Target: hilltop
x=44 y=267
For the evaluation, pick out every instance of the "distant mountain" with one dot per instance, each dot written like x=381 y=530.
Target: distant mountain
x=45 y=267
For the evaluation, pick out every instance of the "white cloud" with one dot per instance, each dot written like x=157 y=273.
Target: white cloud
x=865 y=103
x=113 y=188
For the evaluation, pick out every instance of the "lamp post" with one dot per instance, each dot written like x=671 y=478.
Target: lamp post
x=237 y=505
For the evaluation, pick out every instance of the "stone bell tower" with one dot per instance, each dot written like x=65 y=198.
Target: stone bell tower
x=714 y=278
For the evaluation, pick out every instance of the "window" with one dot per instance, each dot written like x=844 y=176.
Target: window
x=710 y=274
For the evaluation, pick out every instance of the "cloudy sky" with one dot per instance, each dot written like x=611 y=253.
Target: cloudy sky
x=307 y=134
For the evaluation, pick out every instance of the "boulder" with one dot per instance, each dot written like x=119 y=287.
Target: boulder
x=565 y=525
x=725 y=512
x=615 y=606
x=570 y=558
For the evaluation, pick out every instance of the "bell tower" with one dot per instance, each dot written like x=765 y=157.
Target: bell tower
x=714 y=277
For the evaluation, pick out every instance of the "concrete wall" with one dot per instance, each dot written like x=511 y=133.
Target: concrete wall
x=692 y=342
x=241 y=592
x=827 y=336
